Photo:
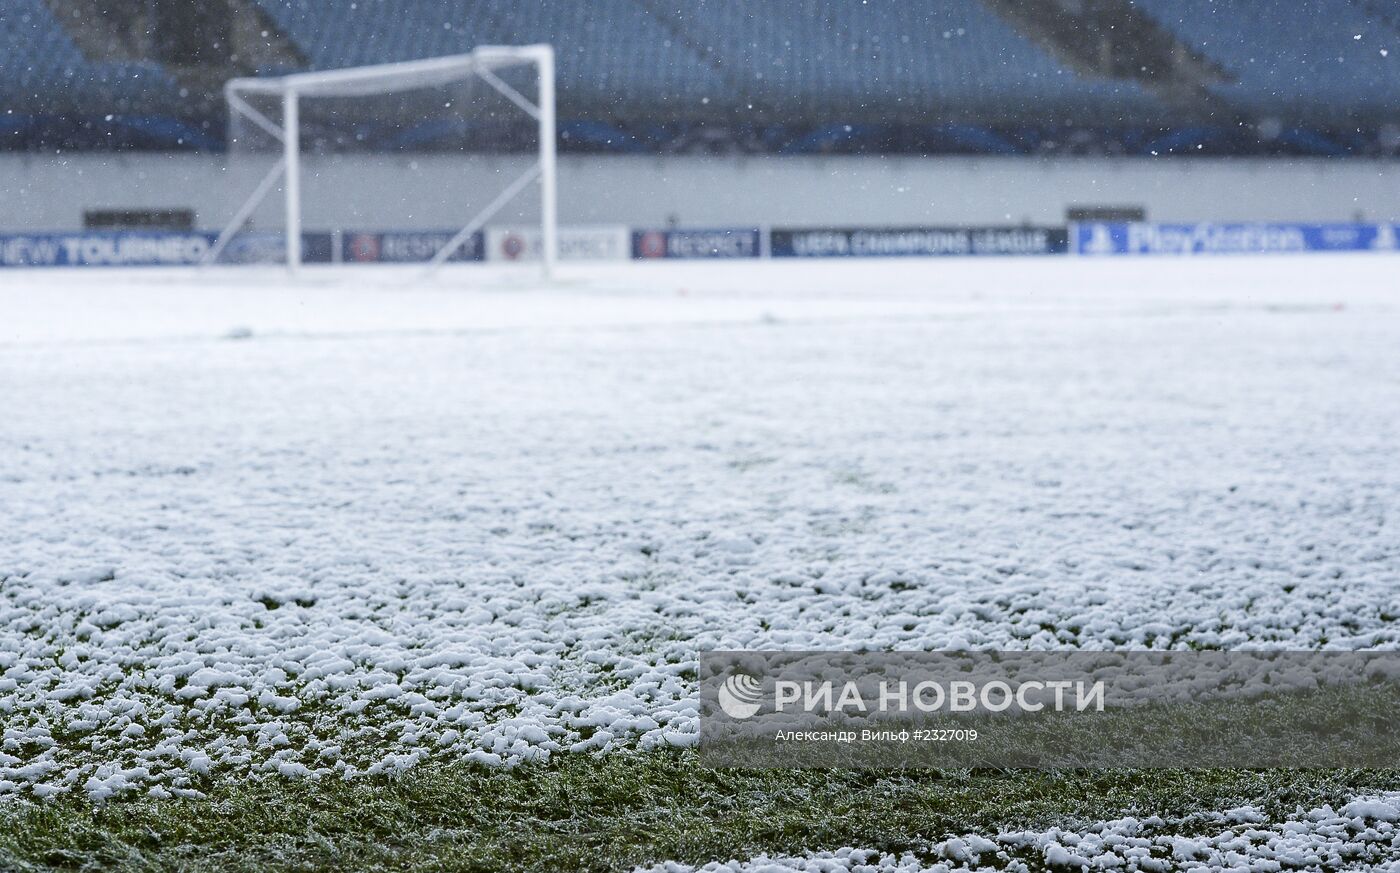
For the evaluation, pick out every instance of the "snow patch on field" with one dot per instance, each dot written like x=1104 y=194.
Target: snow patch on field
x=339 y=550
x=1360 y=836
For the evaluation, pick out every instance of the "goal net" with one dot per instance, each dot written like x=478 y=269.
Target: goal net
x=392 y=162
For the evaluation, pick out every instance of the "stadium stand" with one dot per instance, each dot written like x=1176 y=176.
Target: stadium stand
x=885 y=59
x=612 y=55
x=785 y=75
x=1328 y=55
x=45 y=75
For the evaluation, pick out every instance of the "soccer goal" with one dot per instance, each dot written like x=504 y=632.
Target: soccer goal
x=351 y=122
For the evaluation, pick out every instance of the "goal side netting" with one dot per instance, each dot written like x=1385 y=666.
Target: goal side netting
x=439 y=147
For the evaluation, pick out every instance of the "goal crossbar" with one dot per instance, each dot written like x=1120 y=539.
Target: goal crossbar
x=391 y=78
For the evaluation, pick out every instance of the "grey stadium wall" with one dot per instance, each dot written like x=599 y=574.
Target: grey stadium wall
x=49 y=193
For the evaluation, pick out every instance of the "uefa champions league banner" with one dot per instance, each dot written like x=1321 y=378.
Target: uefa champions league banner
x=1230 y=239
x=916 y=242
x=697 y=243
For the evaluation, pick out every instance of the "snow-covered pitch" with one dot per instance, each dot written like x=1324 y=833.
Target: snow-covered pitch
x=349 y=524
x=1362 y=835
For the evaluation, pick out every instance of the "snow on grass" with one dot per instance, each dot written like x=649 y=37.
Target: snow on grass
x=500 y=525
x=1360 y=836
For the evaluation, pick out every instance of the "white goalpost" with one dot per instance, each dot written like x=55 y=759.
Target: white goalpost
x=484 y=64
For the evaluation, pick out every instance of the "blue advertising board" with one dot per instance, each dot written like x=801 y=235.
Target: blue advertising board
x=151 y=248
x=696 y=243
x=916 y=241
x=103 y=248
x=1231 y=238
x=270 y=247
x=156 y=248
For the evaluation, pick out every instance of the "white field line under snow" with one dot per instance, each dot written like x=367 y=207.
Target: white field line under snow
x=240 y=518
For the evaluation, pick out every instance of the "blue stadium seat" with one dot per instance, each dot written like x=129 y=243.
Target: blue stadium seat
x=1292 y=57
x=646 y=65
x=43 y=70
x=883 y=55
x=611 y=53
